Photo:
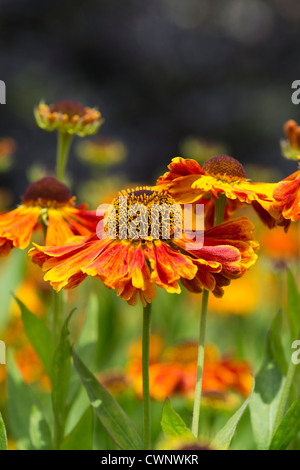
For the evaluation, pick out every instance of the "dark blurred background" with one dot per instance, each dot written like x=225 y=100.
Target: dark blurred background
x=159 y=71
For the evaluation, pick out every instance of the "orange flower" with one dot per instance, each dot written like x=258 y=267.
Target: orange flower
x=135 y=266
x=47 y=203
x=31 y=367
x=175 y=371
x=188 y=182
x=281 y=246
x=287 y=198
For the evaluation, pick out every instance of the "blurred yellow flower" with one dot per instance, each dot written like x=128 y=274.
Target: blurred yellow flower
x=101 y=151
x=7 y=149
x=68 y=117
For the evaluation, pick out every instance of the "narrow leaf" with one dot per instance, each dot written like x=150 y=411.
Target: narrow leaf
x=61 y=372
x=39 y=430
x=3 y=437
x=293 y=305
x=265 y=399
x=39 y=336
x=224 y=437
x=172 y=424
x=288 y=428
x=20 y=403
x=80 y=438
x=11 y=276
x=108 y=411
x=276 y=344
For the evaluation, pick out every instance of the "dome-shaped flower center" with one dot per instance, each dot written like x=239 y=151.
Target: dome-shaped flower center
x=47 y=192
x=142 y=213
x=224 y=168
x=71 y=108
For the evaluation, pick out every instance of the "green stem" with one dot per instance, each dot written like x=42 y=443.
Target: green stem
x=220 y=208
x=145 y=367
x=285 y=394
x=63 y=147
x=200 y=364
x=58 y=317
x=220 y=204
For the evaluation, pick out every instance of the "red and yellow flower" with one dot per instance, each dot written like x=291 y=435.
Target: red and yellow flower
x=287 y=198
x=46 y=203
x=188 y=182
x=134 y=266
x=68 y=117
x=174 y=371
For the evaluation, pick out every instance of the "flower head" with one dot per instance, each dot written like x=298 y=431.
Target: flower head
x=7 y=149
x=134 y=262
x=174 y=371
x=69 y=117
x=287 y=198
x=46 y=203
x=101 y=151
x=188 y=182
x=290 y=146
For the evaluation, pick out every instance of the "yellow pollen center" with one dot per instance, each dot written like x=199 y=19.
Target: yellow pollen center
x=224 y=168
x=142 y=213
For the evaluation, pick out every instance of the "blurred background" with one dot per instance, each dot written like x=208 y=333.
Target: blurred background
x=163 y=73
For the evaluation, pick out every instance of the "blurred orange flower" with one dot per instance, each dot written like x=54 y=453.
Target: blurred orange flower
x=175 y=371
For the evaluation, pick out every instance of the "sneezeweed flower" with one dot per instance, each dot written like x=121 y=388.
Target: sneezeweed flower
x=7 y=150
x=31 y=367
x=236 y=300
x=173 y=373
x=135 y=265
x=101 y=152
x=114 y=381
x=188 y=182
x=68 y=117
x=46 y=204
x=290 y=146
x=279 y=246
x=287 y=198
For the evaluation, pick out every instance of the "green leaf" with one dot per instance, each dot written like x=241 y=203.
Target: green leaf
x=172 y=424
x=20 y=403
x=224 y=437
x=293 y=305
x=276 y=344
x=11 y=275
x=3 y=437
x=39 y=430
x=108 y=411
x=61 y=372
x=288 y=428
x=39 y=336
x=81 y=436
x=265 y=399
